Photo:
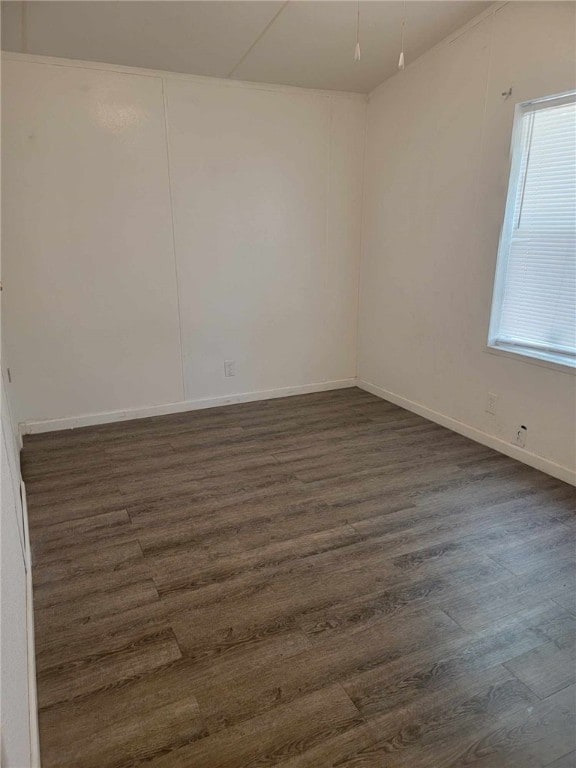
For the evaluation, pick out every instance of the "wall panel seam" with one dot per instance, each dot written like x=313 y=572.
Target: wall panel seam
x=173 y=229
x=361 y=243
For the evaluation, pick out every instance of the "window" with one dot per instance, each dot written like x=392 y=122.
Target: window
x=534 y=303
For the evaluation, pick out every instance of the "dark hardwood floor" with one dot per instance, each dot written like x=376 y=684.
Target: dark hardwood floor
x=324 y=580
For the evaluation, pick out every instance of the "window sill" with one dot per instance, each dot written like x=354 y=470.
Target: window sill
x=525 y=356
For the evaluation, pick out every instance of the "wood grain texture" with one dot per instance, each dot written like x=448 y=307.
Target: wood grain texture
x=315 y=581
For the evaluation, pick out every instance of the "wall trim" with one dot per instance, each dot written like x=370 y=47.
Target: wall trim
x=89 y=420
x=32 y=693
x=448 y=40
x=32 y=690
x=108 y=417
x=526 y=457
x=33 y=58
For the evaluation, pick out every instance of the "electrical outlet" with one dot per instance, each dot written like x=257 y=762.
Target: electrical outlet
x=491 y=403
x=229 y=368
x=521 y=436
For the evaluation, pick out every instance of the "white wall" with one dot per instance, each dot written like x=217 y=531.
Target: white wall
x=19 y=744
x=15 y=591
x=91 y=317
x=116 y=300
x=437 y=162
x=267 y=194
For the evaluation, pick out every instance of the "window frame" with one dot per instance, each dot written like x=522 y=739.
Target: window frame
x=523 y=352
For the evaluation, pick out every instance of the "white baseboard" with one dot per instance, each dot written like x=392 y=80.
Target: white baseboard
x=532 y=459
x=31 y=650
x=89 y=420
x=32 y=695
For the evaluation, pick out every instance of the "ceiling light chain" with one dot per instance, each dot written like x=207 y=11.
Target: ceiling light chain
x=357 y=49
x=401 y=59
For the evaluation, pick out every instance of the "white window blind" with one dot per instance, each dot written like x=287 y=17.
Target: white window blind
x=534 y=305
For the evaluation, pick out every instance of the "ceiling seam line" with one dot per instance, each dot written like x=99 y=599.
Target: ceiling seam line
x=257 y=40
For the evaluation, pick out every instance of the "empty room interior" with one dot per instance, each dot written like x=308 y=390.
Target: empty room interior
x=288 y=384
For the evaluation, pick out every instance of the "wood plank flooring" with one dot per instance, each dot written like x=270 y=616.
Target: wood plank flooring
x=314 y=581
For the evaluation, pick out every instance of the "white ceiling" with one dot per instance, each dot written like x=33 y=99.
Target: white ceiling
x=308 y=43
